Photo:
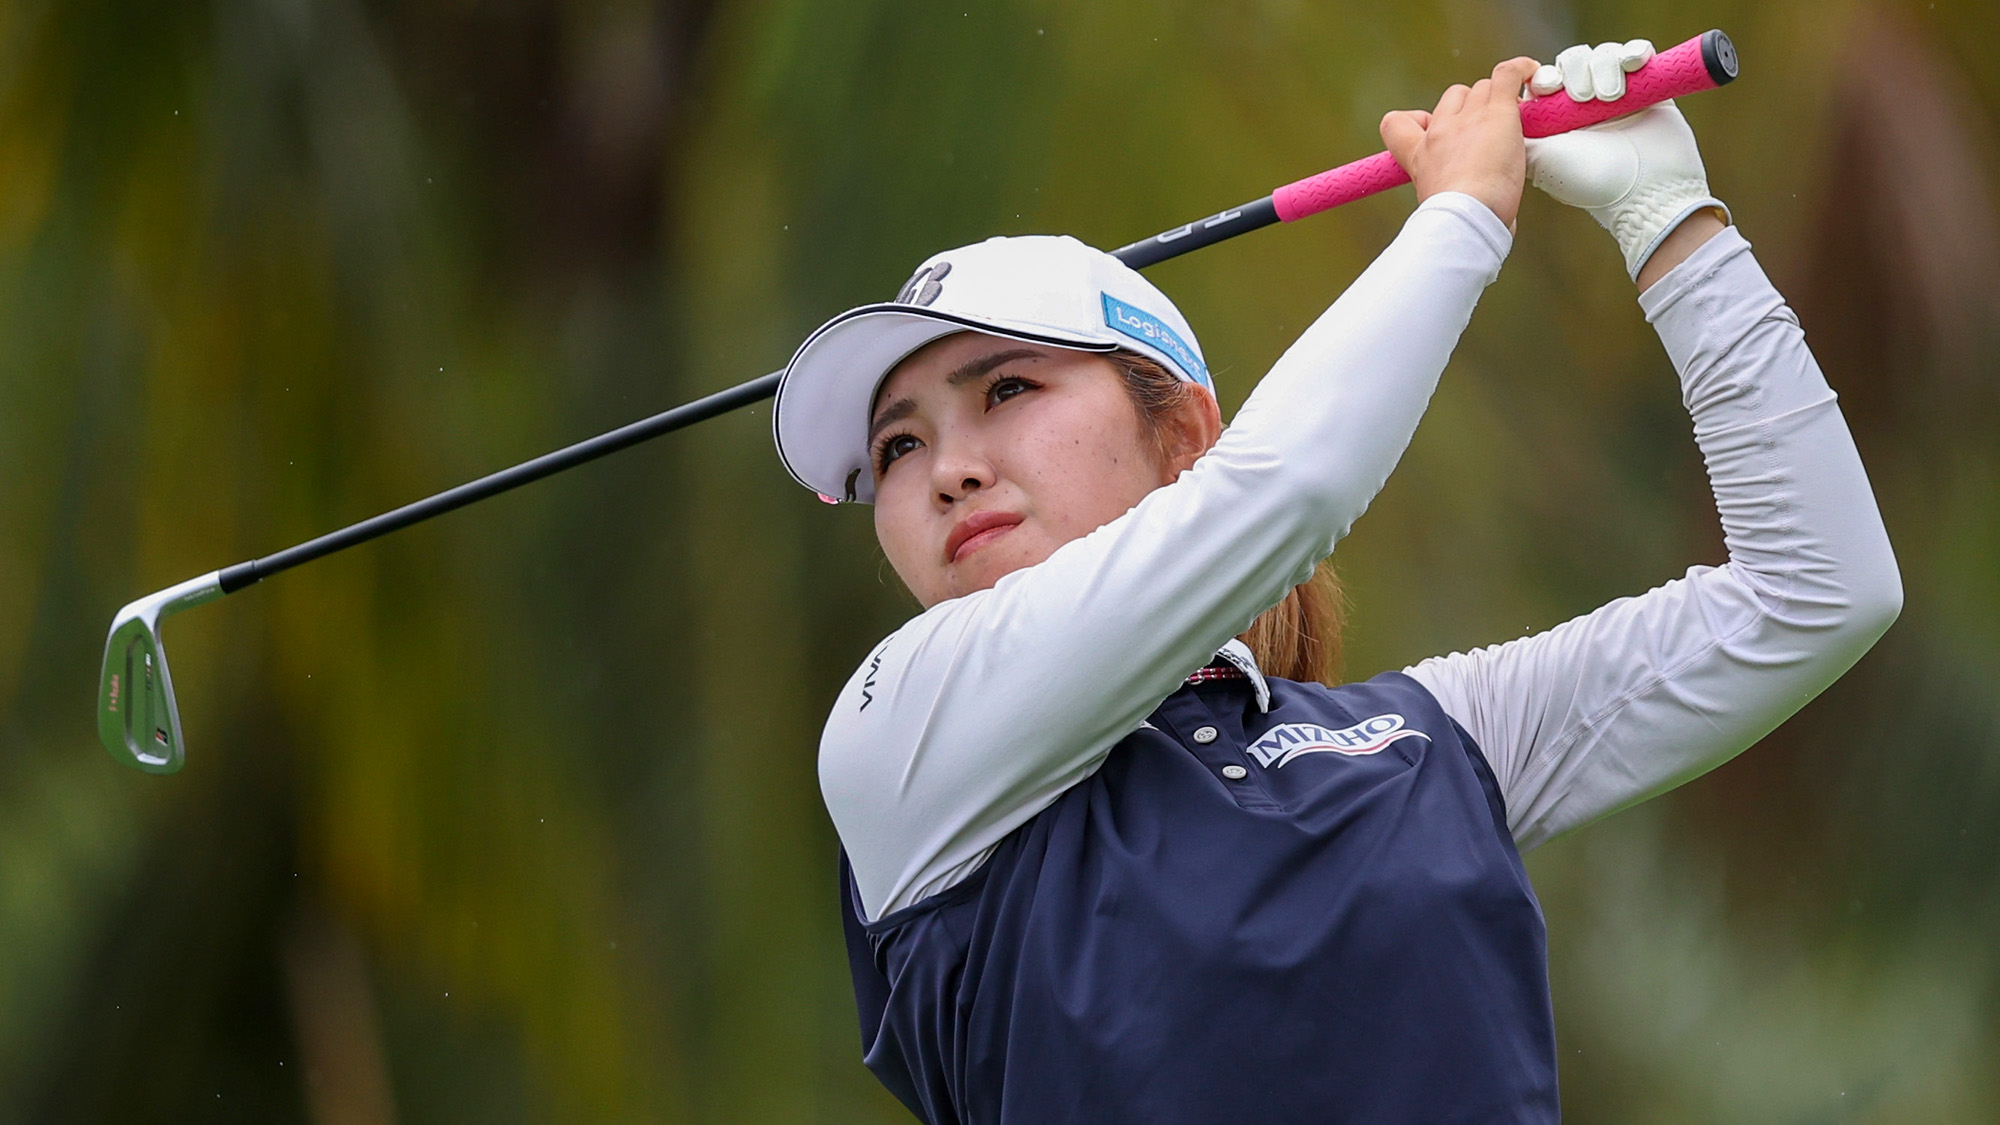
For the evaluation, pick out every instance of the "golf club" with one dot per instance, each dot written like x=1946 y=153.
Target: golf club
x=137 y=718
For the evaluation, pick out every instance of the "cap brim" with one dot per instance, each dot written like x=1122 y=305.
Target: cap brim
x=820 y=416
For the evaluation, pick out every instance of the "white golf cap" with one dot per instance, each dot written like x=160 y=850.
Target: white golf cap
x=1044 y=289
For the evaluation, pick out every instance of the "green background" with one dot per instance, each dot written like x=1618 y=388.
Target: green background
x=513 y=817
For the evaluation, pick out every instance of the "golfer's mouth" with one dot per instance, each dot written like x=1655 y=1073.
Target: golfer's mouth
x=976 y=531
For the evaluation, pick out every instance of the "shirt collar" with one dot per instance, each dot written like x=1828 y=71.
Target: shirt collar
x=1238 y=653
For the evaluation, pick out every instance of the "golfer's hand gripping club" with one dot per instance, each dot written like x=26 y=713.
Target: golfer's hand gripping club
x=1702 y=63
x=1639 y=175
x=139 y=723
x=1471 y=143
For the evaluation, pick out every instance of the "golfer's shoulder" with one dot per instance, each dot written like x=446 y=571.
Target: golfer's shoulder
x=899 y=684
x=924 y=733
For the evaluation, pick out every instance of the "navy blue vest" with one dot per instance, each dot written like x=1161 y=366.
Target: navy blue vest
x=1315 y=914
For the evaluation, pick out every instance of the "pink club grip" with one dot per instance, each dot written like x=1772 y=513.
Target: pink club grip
x=1701 y=63
x=1356 y=179
x=1669 y=74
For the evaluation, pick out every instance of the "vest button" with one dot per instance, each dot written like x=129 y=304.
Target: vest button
x=1204 y=735
x=1235 y=773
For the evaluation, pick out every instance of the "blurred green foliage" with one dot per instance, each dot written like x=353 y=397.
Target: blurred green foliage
x=513 y=817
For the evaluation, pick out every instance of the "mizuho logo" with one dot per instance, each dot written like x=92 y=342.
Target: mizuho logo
x=1286 y=741
x=925 y=285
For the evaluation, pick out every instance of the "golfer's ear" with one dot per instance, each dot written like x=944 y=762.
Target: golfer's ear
x=1192 y=430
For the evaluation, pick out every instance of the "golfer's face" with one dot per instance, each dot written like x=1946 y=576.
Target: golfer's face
x=989 y=454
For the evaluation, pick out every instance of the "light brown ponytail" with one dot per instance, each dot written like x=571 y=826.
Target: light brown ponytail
x=1297 y=639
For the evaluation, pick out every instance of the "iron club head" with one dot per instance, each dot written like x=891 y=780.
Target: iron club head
x=136 y=716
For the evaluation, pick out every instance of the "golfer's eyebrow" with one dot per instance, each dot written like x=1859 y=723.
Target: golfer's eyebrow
x=973 y=369
x=894 y=412
x=965 y=373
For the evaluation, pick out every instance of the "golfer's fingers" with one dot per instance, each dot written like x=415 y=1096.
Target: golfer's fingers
x=1452 y=101
x=1574 y=63
x=1547 y=80
x=1402 y=132
x=1636 y=53
x=1607 y=71
x=1510 y=75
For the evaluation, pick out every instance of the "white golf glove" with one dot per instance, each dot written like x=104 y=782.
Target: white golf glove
x=1638 y=176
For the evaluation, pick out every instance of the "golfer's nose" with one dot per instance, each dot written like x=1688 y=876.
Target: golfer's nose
x=958 y=469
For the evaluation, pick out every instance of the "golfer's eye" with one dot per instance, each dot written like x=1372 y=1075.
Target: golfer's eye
x=891 y=446
x=1005 y=387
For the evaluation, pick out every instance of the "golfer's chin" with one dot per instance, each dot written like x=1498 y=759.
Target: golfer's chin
x=981 y=568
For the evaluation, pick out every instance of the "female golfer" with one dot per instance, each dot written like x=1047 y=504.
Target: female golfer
x=1112 y=854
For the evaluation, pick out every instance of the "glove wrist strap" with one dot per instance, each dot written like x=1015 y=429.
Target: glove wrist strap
x=1637 y=254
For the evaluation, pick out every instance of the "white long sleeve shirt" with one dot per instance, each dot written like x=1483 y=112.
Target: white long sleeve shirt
x=980 y=712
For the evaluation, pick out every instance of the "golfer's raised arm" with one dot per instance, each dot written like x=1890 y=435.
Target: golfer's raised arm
x=1650 y=691
x=980 y=712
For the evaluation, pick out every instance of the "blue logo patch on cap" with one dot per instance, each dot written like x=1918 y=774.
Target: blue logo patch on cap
x=1147 y=328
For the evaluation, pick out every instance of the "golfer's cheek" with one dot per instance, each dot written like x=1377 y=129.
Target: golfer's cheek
x=902 y=531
